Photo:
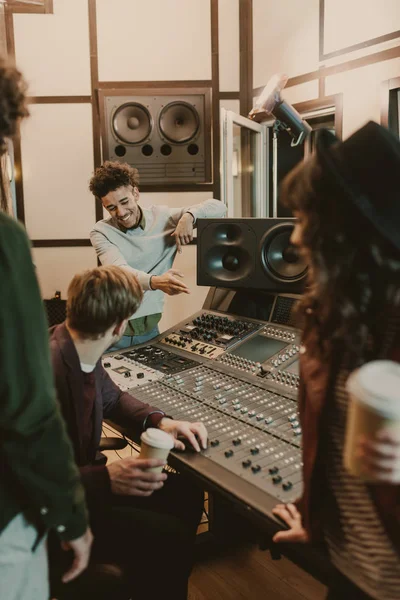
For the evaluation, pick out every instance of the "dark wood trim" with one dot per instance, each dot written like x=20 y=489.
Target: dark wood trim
x=94 y=81
x=59 y=243
x=3 y=31
x=9 y=20
x=350 y=65
x=246 y=55
x=216 y=136
x=110 y=85
x=229 y=95
x=59 y=99
x=371 y=42
x=19 y=186
x=321 y=87
x=246 y=95
x=20 y=7
x=321 y=30
x=173 y=187
x=386 y=88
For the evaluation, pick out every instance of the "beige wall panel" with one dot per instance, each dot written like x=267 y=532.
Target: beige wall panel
x=347 y=23
x=53 y=50
x=301 y=93
x=229 y=58
x=179 y=307
x=57 y=266
x=285 y=38
x=57 y=161
x=233 y=105
x=361 y=92
x=154 y=40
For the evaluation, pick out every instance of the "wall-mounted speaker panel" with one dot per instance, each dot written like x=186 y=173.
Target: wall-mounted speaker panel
x=166 y=135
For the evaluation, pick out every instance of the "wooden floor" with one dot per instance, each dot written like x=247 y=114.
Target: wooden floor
x=248 y=573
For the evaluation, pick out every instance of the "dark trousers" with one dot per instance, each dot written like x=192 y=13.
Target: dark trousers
x=151 y=539
x=342 y=588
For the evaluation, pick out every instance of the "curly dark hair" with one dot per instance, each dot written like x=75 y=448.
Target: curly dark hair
x=354 y=274
x=12 y=101
x=112 y=175
x=12 y=109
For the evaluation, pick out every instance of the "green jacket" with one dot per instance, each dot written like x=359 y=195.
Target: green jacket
x=37 y=468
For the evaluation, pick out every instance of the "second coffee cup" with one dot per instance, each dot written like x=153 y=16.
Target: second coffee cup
x=374 y=394
x=156 y=443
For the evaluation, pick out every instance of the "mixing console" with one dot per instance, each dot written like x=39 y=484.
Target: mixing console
x=158 y=358
x=254 y=433
x=128 y=373
x=210 y=334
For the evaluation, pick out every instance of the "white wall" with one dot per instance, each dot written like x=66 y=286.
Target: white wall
x=286 y=39
x=154 y=40
x=52 y=50
x=228 y=35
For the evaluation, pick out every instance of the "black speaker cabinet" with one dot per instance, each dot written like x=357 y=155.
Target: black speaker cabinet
x=164 y=132
x=249 y=253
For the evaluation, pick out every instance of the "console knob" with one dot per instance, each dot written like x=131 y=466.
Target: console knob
x=140 y=375
x=228 y=453
x=214 y=443
x=246 y=463
x=256 y=468
x=107 y=364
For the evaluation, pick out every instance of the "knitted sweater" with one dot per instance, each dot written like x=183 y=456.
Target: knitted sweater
x=148 y=251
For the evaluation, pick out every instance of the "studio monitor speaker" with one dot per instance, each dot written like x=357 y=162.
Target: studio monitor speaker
x=249 y=253
x=164 y=133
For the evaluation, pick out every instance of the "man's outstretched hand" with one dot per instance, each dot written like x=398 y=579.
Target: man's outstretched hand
x=170 y=283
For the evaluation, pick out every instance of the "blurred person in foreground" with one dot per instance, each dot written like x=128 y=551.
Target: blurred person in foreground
x=346 y=199
x=40 y=487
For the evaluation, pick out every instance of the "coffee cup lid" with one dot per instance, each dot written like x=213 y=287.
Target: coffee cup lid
x=377 y=384
x=157 y=438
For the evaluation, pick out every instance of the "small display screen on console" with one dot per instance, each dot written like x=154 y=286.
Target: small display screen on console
x=259 y=348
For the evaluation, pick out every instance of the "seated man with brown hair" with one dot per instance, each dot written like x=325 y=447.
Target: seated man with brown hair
x=144 y=521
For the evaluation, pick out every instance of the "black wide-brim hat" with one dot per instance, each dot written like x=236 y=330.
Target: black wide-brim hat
x=366 y=170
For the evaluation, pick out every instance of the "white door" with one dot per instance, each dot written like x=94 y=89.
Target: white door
x=244 y=166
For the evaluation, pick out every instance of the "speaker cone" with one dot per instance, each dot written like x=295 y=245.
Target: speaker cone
x=279 y=257
x=228 y=263
x=179 y=122
x=132 y=123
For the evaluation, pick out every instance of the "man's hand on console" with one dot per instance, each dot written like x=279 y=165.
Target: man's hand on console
x=291 y=516
x=193 y=432
x=169 y=283
x=129 y=476
x=184 y=231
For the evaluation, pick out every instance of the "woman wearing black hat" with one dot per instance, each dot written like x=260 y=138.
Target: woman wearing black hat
x=347 y=200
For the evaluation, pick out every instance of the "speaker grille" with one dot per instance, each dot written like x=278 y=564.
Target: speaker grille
x=132 y=123
x=179 y=122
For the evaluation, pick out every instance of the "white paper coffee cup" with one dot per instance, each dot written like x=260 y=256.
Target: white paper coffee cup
x=374 y=392
x=156 y=443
